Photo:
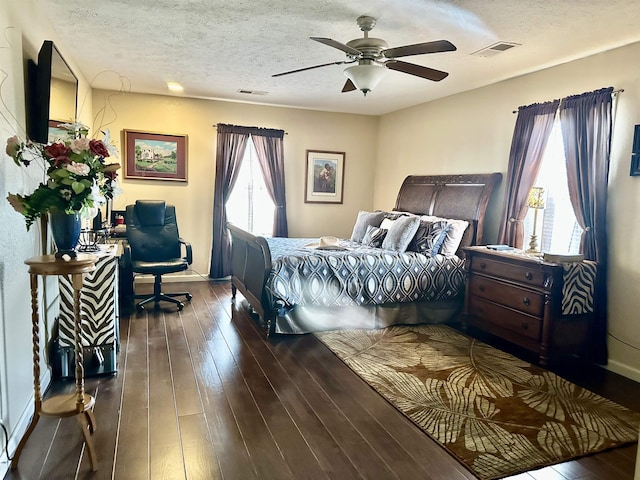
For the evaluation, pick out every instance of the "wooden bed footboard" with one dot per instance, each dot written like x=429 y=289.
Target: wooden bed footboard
x=250 y=266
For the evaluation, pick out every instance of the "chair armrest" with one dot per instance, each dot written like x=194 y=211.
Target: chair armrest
x=187 y=246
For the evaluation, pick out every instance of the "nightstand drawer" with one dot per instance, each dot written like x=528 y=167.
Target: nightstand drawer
x=488 y=314
x=509 y=271
x=521 y=299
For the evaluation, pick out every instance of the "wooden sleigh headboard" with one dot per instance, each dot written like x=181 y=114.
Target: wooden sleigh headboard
x=463 y=197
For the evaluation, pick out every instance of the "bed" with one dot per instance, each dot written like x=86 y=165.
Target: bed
x=298 y=289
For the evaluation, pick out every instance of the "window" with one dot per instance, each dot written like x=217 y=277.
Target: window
x=557 y=228
x=249 y=206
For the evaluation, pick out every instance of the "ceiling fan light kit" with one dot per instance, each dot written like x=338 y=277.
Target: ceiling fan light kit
x=365 y=77
x=373 y=57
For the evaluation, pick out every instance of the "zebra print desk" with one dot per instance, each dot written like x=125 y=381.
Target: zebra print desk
x=544 y=307
x=99 y=313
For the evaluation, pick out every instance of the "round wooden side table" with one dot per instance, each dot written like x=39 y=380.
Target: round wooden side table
x=71 y=404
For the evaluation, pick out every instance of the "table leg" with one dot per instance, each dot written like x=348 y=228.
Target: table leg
x=91 y=420
x=37 y=395
x=85 y=417
x=84 y=424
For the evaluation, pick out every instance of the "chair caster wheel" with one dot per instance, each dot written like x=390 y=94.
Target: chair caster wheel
x=180 y=306
x=140 y=308
x=189 y=296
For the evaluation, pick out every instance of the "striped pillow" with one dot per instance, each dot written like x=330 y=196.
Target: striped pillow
x=430 y=237
x=374 y=236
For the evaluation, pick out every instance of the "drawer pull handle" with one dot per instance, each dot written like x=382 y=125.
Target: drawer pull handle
x=525 y=326
x=483 y=265
x=481 y=288
x=526 y=301
x=528 y=275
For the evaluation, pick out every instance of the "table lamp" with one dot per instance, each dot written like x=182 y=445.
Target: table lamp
x=535 y=201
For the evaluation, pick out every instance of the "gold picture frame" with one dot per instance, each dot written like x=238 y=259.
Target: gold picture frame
x=154 y=156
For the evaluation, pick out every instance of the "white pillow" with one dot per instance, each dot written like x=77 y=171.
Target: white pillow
x=454 y=235
x=387 y=223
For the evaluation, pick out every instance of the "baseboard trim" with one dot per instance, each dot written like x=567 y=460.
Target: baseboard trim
x=624 y=370
x=21 y=427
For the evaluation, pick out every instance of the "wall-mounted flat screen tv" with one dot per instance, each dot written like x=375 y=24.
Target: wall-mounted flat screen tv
x=52 y=93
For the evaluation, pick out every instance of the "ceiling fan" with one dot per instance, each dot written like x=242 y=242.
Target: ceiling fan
x=372 y=57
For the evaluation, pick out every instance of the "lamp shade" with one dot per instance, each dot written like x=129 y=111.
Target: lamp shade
x=536 y=198
x=365 y=76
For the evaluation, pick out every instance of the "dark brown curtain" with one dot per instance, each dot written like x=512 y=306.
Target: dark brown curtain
x=586 y=122
x=231 y=145
x=530 y=137
x=269 y=146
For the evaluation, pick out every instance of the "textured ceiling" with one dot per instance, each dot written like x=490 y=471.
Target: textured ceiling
x=215 y=48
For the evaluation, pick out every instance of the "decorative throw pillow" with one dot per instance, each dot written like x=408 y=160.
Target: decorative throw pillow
x=374 y=236
x=387 y=223
x=394 y=215
x=400 y=233
x=363 y=220
x=429 y=237
x=454 y=234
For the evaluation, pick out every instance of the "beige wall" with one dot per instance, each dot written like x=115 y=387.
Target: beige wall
x=353 y=134
x=471 y=132
x=24 y=30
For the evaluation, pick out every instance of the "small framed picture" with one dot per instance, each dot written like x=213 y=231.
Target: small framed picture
x=325 y=177
x=155 y=156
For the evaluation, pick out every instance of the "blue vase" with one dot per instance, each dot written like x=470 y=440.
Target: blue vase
x=65 y=228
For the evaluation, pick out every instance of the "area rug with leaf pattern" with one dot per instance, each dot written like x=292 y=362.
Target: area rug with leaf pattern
x=497 y=414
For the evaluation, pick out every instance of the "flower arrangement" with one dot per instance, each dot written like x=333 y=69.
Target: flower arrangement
x=78 y=177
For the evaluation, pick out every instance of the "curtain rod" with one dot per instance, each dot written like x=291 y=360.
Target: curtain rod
x=286 y=133
x=612 y=93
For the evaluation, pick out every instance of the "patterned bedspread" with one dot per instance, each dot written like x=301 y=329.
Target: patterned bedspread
x=359 y=275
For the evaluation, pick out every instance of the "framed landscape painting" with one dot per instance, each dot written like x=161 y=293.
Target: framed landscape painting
x=57 y=134
x=155 y=156
x=325 y=177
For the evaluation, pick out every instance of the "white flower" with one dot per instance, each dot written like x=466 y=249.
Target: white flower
x=79 y=168
x=113 y=151
x=116 y=188
x=96 y=196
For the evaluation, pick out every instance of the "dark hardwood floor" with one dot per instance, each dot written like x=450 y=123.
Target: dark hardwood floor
x=203 y=394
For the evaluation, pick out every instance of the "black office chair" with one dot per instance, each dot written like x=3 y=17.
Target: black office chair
x=155 y=247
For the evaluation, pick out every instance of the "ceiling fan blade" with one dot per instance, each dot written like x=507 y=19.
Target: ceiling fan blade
x=420 y=49
x=308 y=68
x=348 y=86
x=417 y=70
x=338 y=45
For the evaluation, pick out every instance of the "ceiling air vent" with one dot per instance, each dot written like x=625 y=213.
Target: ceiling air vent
x=495 y=49
x=251 y=92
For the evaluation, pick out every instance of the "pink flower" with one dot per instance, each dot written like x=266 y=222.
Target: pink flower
x=79 y=145
x=81 y=169
x=13 y=146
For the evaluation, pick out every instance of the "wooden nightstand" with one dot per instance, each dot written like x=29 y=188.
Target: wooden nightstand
x=544 y=307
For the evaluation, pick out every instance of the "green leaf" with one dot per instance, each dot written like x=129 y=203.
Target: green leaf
x=78 y=187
